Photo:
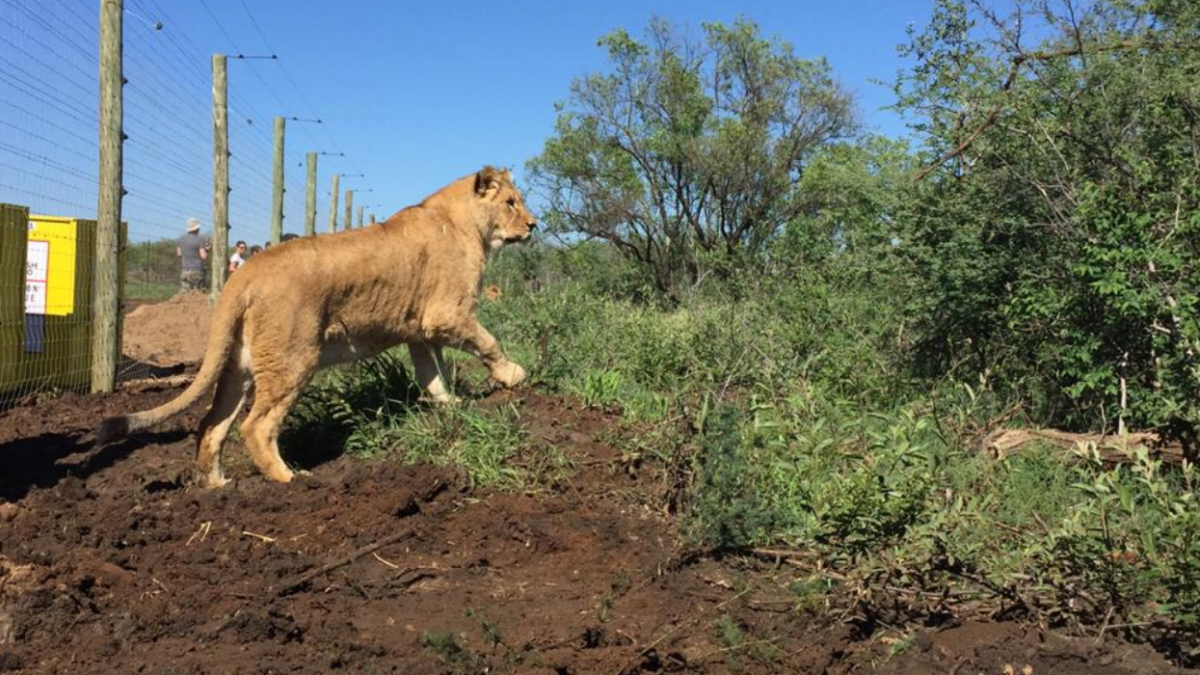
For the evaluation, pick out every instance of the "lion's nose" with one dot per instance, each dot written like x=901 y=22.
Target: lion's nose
x=533 y=225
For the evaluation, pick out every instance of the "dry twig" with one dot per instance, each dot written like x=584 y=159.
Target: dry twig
x=686 y=624
x=325 y=569
x=201 y=532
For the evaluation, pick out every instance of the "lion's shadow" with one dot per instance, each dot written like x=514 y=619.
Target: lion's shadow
x=45 y=460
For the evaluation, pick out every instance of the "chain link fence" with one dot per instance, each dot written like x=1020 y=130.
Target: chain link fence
x=49 y=120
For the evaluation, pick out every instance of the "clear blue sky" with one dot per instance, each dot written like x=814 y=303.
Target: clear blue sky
x=415 y=94
x=420 y=93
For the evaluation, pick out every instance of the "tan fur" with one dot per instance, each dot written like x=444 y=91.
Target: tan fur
x=314 y=302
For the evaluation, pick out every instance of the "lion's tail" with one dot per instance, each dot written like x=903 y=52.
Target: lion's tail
x=227 y=321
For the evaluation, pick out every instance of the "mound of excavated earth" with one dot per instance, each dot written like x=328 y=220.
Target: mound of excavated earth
x=168 y=333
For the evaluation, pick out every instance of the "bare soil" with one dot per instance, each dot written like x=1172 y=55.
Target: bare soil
x=111 y=562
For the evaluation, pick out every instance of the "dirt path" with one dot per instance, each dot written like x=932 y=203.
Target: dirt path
x=111 y=563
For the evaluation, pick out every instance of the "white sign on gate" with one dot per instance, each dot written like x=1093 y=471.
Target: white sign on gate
x=37 y=264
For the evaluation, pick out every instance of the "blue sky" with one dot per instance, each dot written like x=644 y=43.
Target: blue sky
x=415 y=94
x=423 y=92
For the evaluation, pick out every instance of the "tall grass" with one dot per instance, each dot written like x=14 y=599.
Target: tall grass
x=373 y=409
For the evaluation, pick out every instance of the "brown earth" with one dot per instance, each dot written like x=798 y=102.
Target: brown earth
x=168 y=333
x=111 y=563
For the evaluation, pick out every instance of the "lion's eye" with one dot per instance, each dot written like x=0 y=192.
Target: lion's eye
x=512 y=202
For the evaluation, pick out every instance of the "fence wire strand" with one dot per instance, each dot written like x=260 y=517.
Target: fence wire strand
x=49 y=120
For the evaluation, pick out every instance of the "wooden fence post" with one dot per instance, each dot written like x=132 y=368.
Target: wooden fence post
x=220 y=218
x=333 y=199
x=360 y=217
x=349 y=209
x=372 y=218
x=310 y=199
x=277 y=188
x=106 y=341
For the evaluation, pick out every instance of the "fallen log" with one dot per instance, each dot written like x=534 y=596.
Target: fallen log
x=1112 y=448
x=157 y=383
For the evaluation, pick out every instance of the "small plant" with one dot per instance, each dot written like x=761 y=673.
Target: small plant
x=479 y=440
x=489 y=630
x=898 y=645
x=450 y=648
x=811 y=592
x=601 y=388
x=732 y=638
x=729 y=510
x=604 y=606
x=729 y=632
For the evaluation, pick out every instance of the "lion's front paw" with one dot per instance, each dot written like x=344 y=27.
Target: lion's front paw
x=440 y=399
x=508 y=374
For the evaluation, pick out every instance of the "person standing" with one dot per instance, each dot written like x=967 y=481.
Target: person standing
x=239 y=256
x=192 y=253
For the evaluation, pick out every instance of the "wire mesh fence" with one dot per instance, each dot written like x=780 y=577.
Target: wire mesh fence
x=49 y=65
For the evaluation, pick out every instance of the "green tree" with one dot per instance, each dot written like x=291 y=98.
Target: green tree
x=687 y=153
x=1056 y=228
x=852 y=193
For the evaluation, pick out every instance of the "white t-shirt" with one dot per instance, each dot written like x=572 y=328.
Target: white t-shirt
x=237 y=260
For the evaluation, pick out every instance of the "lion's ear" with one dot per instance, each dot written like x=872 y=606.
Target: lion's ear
x=486 y=180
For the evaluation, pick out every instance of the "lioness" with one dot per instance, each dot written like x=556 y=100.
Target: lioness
x=318 y=301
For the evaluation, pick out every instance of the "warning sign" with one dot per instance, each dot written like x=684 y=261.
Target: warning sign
x=50 y=266
x=37 y=262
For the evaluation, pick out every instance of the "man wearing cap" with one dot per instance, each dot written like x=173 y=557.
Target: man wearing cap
x=192 y=253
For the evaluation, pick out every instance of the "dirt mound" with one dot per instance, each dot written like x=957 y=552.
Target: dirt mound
x=111 y=563
x=168 y=333
x=1007 y=648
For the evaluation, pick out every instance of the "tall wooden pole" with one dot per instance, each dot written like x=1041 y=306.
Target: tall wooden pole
x=310 y=198
x=372 y=218
x=277 y=188
x=360 y=217
x=333 y=199
x=106 y=339
x=349 y=210
x=220 y=201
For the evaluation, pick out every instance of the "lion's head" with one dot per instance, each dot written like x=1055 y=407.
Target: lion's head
x=509 y=222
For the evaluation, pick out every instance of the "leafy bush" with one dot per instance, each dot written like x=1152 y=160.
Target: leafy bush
x=345 y=408
x=1054 y=239
x=881 y=502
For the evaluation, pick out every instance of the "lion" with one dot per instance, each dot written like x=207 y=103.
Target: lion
x=319 y=301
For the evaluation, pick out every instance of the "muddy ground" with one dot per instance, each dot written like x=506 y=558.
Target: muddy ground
x=110 y=562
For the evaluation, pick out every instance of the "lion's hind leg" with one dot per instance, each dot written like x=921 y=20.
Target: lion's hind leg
x=431 y=371
x=274 y=394
x=231 y=392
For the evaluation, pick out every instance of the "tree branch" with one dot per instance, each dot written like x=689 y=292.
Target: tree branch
x=1019 y=60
